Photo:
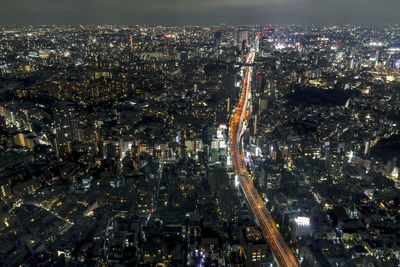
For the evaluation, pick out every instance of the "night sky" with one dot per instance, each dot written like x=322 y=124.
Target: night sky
x=204 y=12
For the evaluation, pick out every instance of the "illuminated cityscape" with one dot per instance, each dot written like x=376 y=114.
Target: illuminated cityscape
x=223 y=145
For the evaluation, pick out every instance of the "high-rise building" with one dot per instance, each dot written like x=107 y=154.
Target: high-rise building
x=2 y=122
x=65 y=122
x=131 y=41
x=254 y=247
x=19 y=139
x=257 y=44
x=266 y=46
x=56 y=145
x=241 y=35
x=366 y=147
x=5 y=188
x=244 y=46
x=391 y=164
x=255 y=125
x=262 y=104
x=218 y=35
x=300 y=227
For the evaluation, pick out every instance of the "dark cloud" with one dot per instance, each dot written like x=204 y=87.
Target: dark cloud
x=174 y=12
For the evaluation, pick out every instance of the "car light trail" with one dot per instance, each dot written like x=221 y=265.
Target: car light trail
x=282 y=252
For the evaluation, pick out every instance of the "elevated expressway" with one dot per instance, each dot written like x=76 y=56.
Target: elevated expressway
x=282 y=252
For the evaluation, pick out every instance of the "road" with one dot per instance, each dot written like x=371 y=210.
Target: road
x=282 y=252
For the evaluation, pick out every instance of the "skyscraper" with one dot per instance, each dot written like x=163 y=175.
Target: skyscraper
x=218 y=37
x=65 y=122
x=241 y=35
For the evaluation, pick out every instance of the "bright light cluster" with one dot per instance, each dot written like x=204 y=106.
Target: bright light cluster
x=302 y=221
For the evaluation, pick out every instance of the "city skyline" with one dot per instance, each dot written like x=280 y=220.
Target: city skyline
x=248 y=146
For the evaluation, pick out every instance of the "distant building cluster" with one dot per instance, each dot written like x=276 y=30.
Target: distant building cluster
x=326 y=124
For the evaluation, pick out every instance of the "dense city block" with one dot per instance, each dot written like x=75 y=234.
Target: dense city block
x=118 y=145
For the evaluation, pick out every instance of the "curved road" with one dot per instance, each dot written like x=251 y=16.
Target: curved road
x=282 y=252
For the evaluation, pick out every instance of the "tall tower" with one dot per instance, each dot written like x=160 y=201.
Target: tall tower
x=255 y=125
x=131 y=41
